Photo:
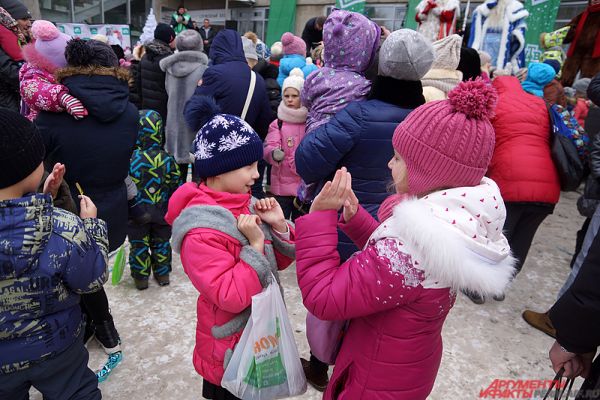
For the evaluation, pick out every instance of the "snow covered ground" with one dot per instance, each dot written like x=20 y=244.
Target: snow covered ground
x=481 y=343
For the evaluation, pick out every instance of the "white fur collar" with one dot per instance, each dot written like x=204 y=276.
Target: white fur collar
x=455 y=236
x=514 y=9
x=292 y=115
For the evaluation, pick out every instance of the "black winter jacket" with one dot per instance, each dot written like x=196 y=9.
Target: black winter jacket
x=135 y=88
x=153 y=92
x=9 y=82
x=576 y=314
x=269 y=73
x=97 y=149
x=311 y=35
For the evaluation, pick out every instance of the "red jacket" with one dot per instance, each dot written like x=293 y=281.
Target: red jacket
x=226 y=273
x=522 y=165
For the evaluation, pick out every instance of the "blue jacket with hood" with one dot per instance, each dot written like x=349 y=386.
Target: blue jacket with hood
x=228 y=81
x=48 y=257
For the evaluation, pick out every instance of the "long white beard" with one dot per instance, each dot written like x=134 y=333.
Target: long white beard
x=496 y=18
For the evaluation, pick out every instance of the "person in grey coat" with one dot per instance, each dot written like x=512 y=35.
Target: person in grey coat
x=184 y=70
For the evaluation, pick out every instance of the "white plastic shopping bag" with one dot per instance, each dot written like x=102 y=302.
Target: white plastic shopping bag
x=265 y=363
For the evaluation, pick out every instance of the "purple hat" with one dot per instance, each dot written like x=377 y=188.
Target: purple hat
x=50 y=42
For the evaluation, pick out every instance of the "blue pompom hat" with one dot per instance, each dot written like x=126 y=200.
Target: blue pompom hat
x=225 y=143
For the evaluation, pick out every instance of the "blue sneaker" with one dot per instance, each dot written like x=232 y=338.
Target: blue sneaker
x=114 y=359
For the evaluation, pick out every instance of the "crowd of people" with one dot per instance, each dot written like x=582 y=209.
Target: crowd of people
x=394 y=171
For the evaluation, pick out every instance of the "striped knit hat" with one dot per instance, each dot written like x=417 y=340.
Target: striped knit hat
x=448 y=143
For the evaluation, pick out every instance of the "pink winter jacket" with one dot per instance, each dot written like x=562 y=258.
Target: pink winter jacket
x=38 y=87
x=222 y=266
x=398 y=290
x=284 y=178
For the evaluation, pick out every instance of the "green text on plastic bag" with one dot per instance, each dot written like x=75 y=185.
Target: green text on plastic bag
x=269 y=372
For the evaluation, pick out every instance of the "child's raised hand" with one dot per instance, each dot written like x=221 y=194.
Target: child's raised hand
x=350 y=206
x=87 y=208
x=53 y=181
x=335 y=193
x=270 y=212
x=248 y=225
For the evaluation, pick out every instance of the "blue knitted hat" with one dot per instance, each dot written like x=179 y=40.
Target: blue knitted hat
x=225 y=143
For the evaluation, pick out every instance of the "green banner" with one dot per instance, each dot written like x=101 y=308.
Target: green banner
x=409 y=20
x=351 y=5
x=282 y=19
x=542 y=15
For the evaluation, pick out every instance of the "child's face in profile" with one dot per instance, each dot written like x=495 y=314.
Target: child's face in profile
x=238 y=181
x=291 y=98
x=399 y=173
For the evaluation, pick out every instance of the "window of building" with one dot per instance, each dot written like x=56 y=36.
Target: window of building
x=567 y=11
x=251 y=19
x=389 y=15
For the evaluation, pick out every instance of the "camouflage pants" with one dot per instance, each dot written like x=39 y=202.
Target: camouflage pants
x=150 y=247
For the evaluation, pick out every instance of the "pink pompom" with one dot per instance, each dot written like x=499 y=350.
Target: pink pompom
x=287 y=38
x=476 y=99
x=44 y=30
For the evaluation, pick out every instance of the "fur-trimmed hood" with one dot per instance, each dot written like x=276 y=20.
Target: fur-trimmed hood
x=36 y=59
x=183 y=63
x=103 y=91
x=455 y=236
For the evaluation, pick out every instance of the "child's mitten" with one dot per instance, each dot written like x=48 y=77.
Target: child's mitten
x=278 y=155
x=73 y=106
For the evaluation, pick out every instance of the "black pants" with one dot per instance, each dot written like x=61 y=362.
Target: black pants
x=590 y=390
x=579 y=239
x=522 y=221
x=63 y=377
x=290 y=212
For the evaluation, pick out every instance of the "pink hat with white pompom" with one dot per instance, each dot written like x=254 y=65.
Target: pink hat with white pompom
x=50 y=42
x=293 y=44
x=449 y=143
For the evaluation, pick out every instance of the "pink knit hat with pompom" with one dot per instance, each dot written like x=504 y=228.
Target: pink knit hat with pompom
x=449 y=143
x=50 y=42
x=293 y=44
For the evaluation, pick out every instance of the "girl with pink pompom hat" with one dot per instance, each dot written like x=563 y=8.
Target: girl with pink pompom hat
x=39 y=89
x=440 y=233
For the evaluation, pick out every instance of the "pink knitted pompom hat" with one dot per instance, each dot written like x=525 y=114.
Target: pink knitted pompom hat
x=449 y=143
x=293 y=44
x=50 y=42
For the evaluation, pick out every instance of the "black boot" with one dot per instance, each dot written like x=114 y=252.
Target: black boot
x=107 y=335
x=316 y=373
x=137 y=212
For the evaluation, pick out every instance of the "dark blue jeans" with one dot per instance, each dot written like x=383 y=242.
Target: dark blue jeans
x=65 y=376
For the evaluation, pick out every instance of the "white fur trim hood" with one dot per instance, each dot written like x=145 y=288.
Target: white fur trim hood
x=455 y=236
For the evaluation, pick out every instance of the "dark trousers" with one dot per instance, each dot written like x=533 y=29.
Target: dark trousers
x=290 y=212
x=579 y=239
x=258 y=189
x=65 y=376
x=590 y=390
x=150 y=246
x=522 y=221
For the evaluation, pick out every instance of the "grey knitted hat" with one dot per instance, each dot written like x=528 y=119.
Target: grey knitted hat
x=189 y=40
x=447 y=52
x=581 y=85
x=405 y=55
x=249 y=49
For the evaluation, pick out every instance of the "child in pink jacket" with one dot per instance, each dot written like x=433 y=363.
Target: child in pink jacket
x=39 y=89
x=441 y=232
x=229 y=244
x=285 y=134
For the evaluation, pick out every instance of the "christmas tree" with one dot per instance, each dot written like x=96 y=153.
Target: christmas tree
x=149 y=27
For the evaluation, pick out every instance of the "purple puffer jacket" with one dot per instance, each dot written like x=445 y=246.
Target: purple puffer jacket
x=351 y=40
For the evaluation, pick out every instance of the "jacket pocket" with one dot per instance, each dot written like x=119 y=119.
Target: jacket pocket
x=339 y=384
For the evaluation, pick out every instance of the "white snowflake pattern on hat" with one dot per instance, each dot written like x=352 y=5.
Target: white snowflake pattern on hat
x=232 y=141
x=204 y=149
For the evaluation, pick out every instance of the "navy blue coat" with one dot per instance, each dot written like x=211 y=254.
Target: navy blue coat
x=359 y=138
x=227 y=81
x=97 y=149
x=48 y=258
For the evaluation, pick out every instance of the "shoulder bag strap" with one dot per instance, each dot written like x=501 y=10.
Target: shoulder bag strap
x=250 y=94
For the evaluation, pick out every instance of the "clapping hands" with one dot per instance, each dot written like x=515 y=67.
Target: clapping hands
x=268 y=211
x=337 y=194
x=54 y=180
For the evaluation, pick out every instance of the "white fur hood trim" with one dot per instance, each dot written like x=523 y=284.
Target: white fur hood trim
x=455 y=236
x=514 y=10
